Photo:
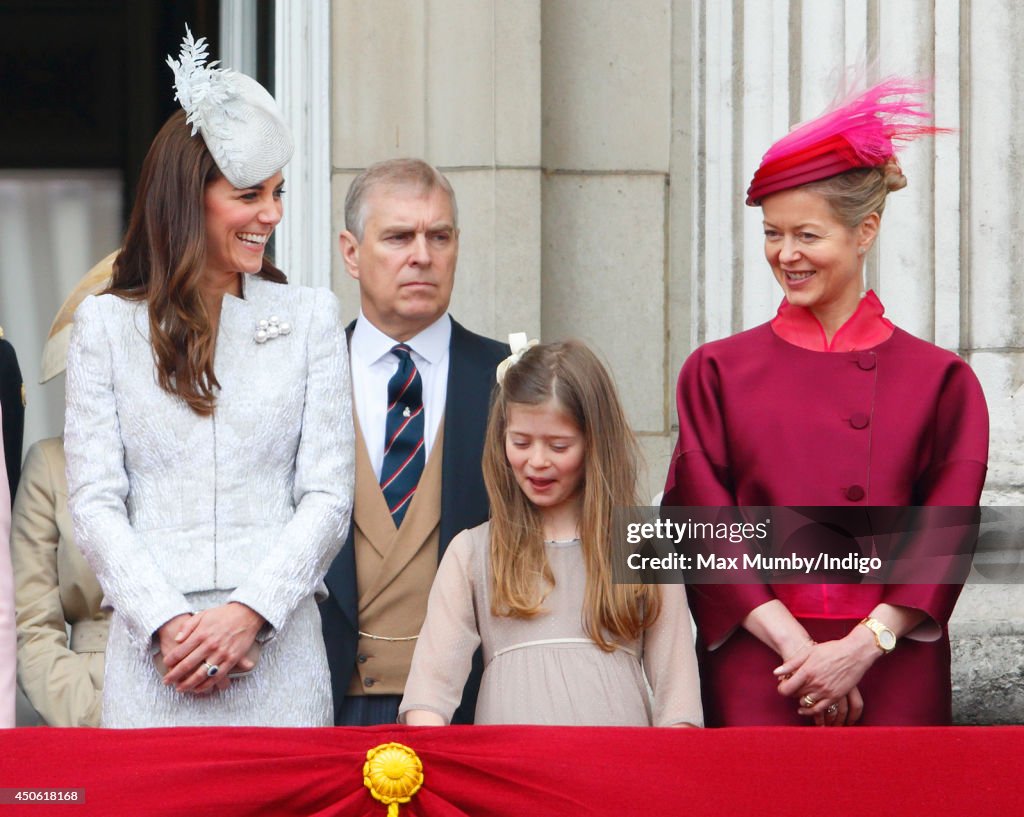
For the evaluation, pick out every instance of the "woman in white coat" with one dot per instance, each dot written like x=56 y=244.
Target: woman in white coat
x=208 y=431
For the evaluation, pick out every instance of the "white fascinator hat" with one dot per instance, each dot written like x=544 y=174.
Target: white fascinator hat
x=238 y=119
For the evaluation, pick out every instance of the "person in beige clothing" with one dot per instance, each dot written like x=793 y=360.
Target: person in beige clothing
x=55 y=589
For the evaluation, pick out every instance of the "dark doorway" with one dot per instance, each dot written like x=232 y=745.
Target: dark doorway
x=83 y=82
x=83 y=88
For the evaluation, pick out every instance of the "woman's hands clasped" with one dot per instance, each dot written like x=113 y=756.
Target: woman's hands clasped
x=824 y=678
x=220 y=637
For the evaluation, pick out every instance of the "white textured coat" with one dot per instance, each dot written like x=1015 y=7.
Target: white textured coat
x=252 y=502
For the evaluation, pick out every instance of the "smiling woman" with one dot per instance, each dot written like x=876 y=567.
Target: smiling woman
x=816 y=259
x=209 y=446
x=828 y=404
x=238 y=225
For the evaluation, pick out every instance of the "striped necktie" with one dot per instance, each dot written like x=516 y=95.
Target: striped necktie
x=403 y=441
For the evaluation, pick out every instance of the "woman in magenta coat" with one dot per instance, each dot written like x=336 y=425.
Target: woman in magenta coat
x=828 y=404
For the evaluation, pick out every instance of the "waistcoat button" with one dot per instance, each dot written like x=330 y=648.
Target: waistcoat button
x=855 y=493
x=860 y=420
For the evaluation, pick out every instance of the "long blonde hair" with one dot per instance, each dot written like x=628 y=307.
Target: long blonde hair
x=571 y=374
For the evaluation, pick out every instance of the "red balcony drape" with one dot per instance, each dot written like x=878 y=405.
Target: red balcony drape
x=521 y=771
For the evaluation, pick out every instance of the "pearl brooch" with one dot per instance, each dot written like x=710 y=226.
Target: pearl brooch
x=270 y=328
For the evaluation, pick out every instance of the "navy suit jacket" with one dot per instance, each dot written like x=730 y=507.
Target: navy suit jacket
x=472 y=362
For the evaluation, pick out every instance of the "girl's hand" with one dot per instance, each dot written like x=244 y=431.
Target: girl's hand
x=219 y=637
x=828 y=673
x=423 y=717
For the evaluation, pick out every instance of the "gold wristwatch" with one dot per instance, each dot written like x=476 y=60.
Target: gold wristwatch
x=884 y=637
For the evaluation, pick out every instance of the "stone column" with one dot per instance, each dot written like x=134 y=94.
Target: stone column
x=607 y=108
x=457 y=83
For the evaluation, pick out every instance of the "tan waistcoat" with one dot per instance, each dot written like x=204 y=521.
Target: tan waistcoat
x=394 y=571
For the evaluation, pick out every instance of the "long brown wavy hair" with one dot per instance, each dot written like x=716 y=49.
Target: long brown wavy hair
x=163 y=259
x=521 y=577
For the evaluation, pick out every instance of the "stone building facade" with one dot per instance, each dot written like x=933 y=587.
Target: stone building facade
x=600 y=150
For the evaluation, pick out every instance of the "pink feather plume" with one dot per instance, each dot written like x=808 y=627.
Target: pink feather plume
x=871 y=124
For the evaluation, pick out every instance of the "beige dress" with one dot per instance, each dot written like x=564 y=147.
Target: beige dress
x=546 y=670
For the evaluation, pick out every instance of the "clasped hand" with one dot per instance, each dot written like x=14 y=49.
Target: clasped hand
x=220 y=637
x=827 y=675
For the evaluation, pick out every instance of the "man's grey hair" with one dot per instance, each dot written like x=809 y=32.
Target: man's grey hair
x=414 y=173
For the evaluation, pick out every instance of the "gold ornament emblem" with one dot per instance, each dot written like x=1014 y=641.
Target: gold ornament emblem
x=393 y=774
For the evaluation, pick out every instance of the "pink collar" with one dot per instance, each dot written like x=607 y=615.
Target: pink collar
x=866 y=327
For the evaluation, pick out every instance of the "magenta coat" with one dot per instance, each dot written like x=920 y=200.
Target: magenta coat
x=764 y=422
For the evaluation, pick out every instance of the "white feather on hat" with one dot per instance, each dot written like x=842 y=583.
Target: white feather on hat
x=238 y=119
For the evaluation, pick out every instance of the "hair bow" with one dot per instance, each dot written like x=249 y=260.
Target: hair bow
x=519 y=344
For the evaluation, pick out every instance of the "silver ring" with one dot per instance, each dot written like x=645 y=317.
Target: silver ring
x=807 y=701
x=833 y=709
x=211 y=669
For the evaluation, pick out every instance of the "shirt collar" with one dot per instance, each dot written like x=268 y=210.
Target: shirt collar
x=370 y=344
x=866 y=327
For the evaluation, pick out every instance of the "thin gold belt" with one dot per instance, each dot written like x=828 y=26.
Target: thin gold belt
x=388 y=637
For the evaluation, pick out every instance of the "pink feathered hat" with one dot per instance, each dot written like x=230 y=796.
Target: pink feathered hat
x=863 y=132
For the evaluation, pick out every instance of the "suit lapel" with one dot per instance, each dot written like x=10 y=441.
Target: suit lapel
x=341 y=575
x=471 y=378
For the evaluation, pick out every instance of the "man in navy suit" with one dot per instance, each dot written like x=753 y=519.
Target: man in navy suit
x=401 y=242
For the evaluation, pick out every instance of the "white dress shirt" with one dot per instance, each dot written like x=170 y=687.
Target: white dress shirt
x=373 y=365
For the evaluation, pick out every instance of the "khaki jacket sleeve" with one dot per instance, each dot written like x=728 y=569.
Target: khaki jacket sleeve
x=56 y=680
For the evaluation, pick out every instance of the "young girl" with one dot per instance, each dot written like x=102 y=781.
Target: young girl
x=562 y=644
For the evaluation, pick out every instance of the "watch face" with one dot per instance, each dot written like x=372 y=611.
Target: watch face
x=887 y=639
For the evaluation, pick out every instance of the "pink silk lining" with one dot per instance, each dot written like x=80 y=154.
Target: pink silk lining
x=866 y=327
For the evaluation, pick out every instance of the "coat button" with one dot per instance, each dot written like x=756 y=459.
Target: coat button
x=855 y=493
x=369 y=682
x=866 y=361
x=860 y=420
x=361 y=659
